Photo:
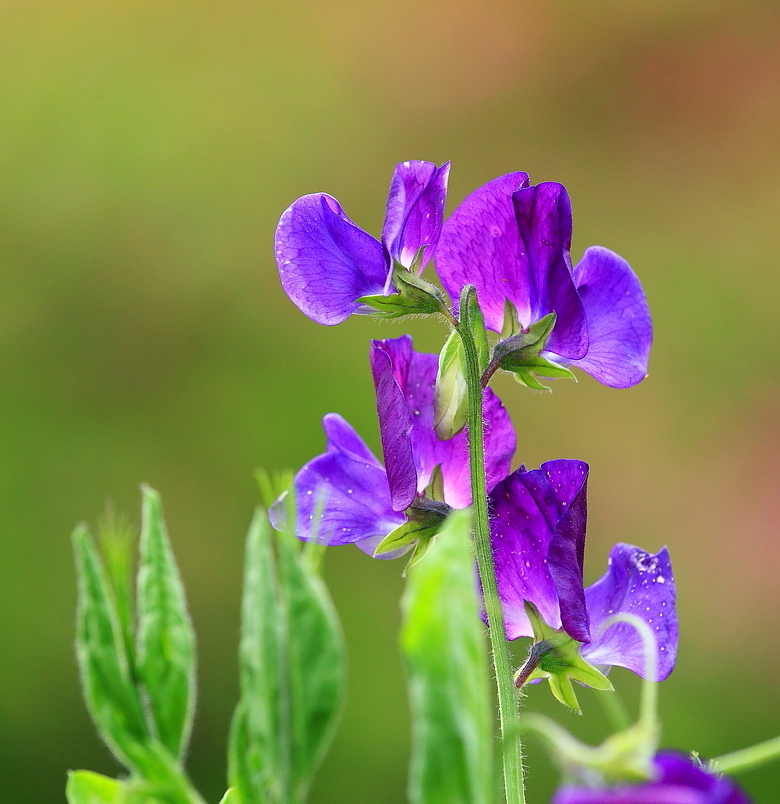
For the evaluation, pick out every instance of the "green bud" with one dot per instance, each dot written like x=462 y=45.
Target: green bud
x=450 y=401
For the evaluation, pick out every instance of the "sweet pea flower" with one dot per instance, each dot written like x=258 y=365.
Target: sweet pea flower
x=678 y=780
x=346 y=496
x=327 y=263
x=511 y=241
x=538 y=521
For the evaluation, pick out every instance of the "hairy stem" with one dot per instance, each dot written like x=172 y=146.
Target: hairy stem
x=508 y=704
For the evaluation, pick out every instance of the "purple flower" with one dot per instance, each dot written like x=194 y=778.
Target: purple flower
x=678 y=781
x=327 y=263
x=360 y=501
x=538 y=521
x=511 y=241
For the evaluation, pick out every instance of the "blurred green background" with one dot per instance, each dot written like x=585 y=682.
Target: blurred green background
x=146 y=152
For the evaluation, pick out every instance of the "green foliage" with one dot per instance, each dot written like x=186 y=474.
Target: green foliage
x=165 y=659
x=444 y=646
x=106 y=674
x=86 y=787
x=291 y=672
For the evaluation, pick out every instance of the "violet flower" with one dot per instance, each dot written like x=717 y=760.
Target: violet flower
x=511 y=241
x=538 y=521
x=346 y=496
x=678 y=781
x=327 y=263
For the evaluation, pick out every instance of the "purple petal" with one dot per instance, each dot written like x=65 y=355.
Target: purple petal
x=326 y=262
x=388 y=362
x=544 y=222
x=619 y=325
x=538 y=538
x=679 y=781
x=642 y=584
x=415 y=210
x=414 y=376
x=345 y=487
x=480 y=245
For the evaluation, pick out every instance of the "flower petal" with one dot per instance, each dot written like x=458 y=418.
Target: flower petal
x=326 y=262
x=414 y=376
x=345 y=487
x=415 y=210
x=480 y=245
x=642 y=584
x=538 y=538
x=619 y=325
x=544 y=223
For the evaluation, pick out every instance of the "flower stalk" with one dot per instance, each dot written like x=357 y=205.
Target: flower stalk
x=509 y=715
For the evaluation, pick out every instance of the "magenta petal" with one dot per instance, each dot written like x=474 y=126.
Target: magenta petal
x=480 y=245
x=642 y=584
x=415 y=210
x=538 y=539
x=544 y=222
x=341 y=496
x=414 y=376
x=389 y=360
x=326 y=262
x=619 y=325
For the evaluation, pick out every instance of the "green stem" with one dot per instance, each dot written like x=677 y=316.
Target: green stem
x=748 y=758
x=509 y=714
x=614 y=708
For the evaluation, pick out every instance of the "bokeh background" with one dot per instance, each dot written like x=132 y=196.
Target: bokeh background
x=146 y=152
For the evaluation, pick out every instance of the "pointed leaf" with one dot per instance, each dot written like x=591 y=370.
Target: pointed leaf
x=106 y=678
x=86 y=787
x=166 y=640
x=444 y=646
x=231 y=797
x=292 y=669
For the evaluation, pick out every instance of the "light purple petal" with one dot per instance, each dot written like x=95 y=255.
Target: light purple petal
x=326 y=262
x=480 y=245
x=642 y=584
x=341 y=496
x=538 y=538
x=414 y=376
x=544 y=222
x=619 y=325
x=415 y=210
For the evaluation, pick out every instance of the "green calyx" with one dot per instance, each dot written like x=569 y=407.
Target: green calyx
x=413 y=296
x=424 y=519
x=519 y=350
x=556 y=657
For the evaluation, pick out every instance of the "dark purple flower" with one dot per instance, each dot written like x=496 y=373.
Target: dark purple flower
x=538 y=521
x=360 y=501
x=678 y=780
x=327 y=263
x=511 y=241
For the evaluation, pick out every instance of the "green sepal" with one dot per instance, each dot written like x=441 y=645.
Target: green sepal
x=556 y=656
x=450 y=399
x=520 y=354
x=231 y=797
x=165 y=648
x=435 y=488
x=425 y=518
x=511 y=324
x=86 y=787
x=413 y=296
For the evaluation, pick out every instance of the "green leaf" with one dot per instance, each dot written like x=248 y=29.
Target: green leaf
x=292 y=672
x=444 y=646
x=231 y=797
x=106 y=677
x=165 y=639
x=86 y=787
